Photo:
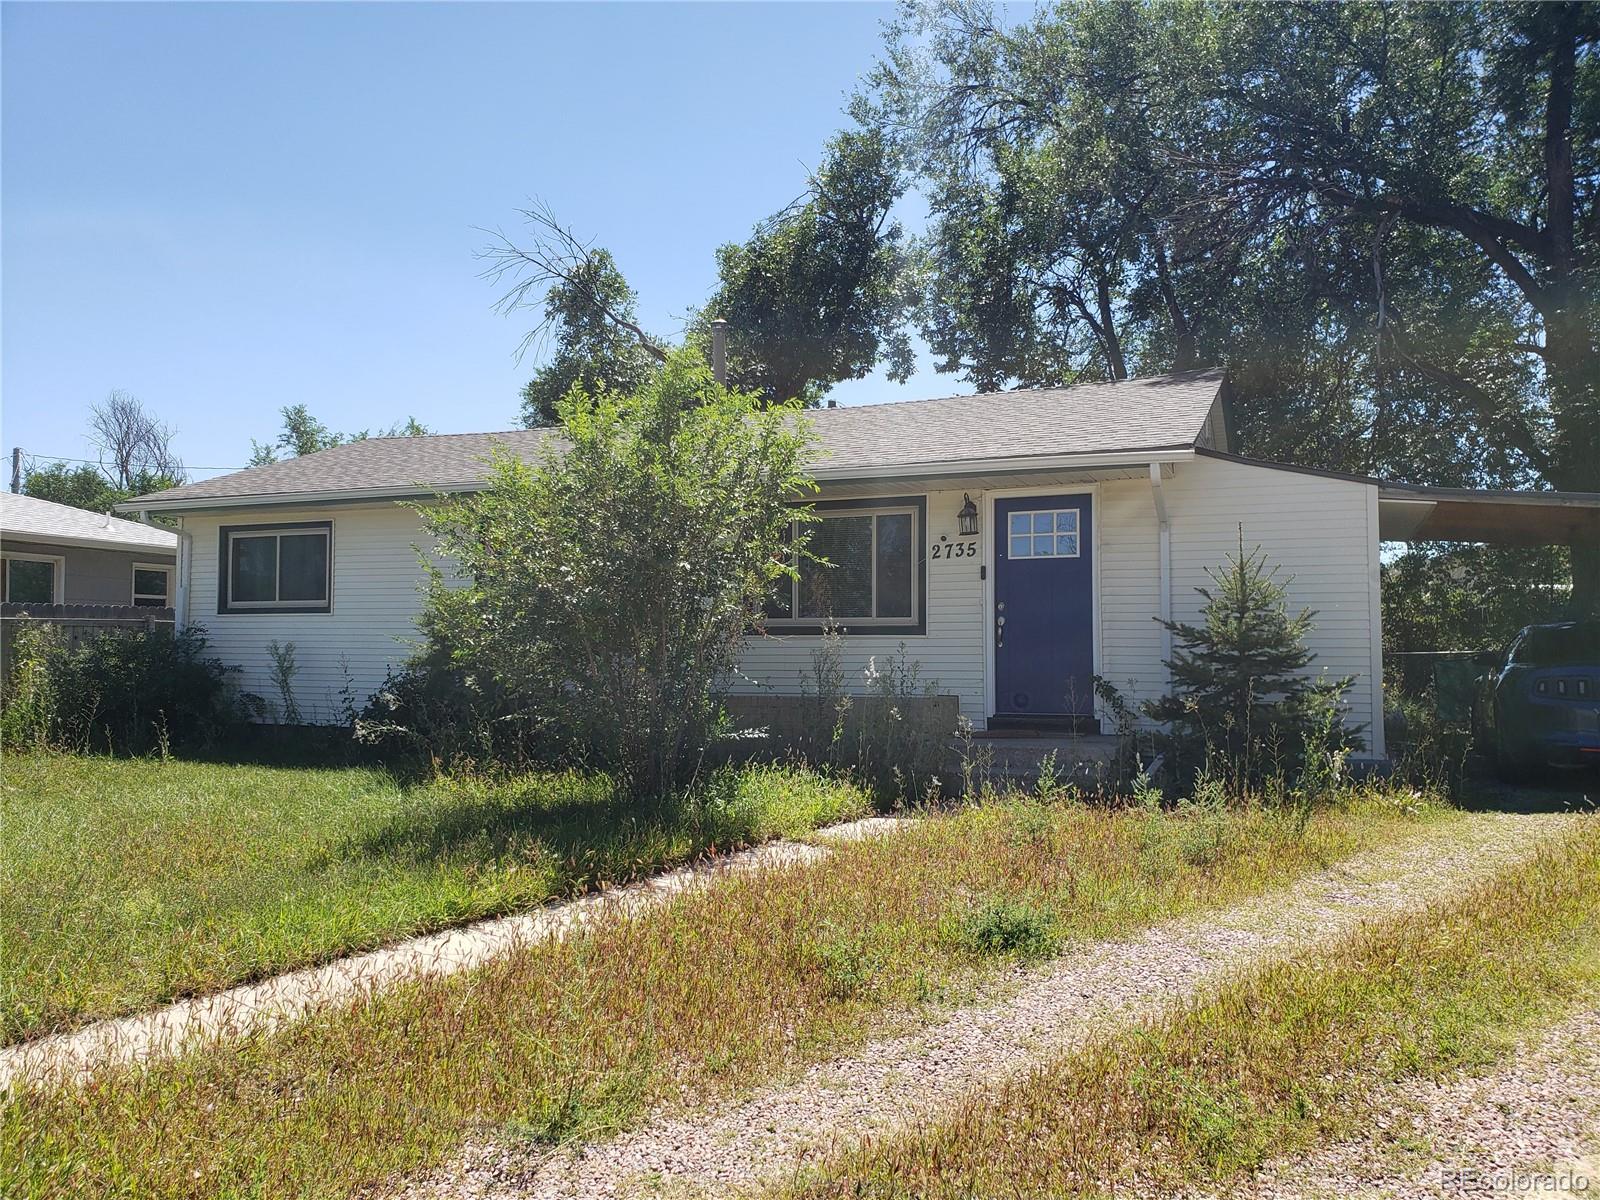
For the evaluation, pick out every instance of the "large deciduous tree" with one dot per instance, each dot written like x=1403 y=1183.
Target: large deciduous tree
x=136 y=457
x=824 y=289
x=303 y=433
x=87 y=487
x=586 y=312
x=134 y=444
x=1382 y=217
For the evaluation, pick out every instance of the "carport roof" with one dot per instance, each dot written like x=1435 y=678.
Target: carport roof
x=1412 y=513
x=1415 y=512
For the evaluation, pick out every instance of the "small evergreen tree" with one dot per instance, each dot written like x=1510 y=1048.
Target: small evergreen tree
x=1240 y=679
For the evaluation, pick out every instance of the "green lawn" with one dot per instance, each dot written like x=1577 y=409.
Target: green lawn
x=722 y=987
x=125 y=883
x=1287 y=1057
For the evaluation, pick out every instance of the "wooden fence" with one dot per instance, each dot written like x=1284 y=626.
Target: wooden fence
x=79 y=622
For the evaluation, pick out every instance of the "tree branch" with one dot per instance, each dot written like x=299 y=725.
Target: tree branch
x=1489 y=411
x=557 y=255
x=1489 y=233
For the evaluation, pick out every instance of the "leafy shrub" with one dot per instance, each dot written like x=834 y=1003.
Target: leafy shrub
x=115 y=692
x=614 y=579
x=451 y=716
x=1004 y=925
x=883 y=736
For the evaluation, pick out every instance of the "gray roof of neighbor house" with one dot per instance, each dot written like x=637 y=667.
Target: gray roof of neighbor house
x=1163 y=412
x=28 y=519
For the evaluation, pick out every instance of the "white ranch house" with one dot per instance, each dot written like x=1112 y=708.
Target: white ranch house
x=1090 y=511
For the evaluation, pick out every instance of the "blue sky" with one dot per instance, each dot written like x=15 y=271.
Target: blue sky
x=228 y=208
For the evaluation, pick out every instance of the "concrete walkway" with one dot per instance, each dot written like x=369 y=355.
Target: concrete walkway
x=257 y=1006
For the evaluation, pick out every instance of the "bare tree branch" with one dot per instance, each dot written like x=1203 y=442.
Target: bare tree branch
x=555 y=255
x=134 y=441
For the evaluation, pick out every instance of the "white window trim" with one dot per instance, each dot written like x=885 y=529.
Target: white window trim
x=324 y=604
x=1077 y=533
x=896 y=510
x=133 y=581
x=59 y=584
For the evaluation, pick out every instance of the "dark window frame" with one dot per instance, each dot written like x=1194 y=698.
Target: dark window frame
x=860 y=626
x=225 y=604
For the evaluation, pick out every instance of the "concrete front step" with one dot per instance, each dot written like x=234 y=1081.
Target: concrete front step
x=1019 y=757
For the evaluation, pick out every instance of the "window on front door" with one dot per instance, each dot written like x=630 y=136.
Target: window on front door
x=1043 y=533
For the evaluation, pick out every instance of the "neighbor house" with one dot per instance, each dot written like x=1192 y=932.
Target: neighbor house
x=56 y=554
x=1017 y=544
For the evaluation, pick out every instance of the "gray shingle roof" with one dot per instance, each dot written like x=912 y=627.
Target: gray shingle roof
x=27 y=519
x=1159 y=412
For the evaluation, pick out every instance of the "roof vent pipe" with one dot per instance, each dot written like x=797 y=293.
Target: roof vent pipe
x=719 y=351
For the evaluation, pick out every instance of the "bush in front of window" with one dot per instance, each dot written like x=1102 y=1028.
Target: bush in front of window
x=452 y=717
x=119 y=693
x=615 y=578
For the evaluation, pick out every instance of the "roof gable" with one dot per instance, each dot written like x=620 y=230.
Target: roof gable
x=1163 y=412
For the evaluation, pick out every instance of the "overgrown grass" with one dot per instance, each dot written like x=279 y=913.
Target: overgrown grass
x=1274 y=1063
x=754 y=975
x=126 y=882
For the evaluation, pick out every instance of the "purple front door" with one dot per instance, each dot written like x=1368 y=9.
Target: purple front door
x=1044 y=607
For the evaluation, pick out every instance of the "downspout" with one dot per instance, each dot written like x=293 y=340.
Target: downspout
x=180 y=599
x=1164 y=560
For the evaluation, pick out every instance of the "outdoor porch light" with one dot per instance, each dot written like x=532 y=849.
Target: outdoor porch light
x=967 y=518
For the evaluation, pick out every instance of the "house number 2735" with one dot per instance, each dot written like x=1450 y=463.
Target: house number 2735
x=955 y=549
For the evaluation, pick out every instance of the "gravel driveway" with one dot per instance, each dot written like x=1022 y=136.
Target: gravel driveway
x=1529 y=1127
x=1026 y=1020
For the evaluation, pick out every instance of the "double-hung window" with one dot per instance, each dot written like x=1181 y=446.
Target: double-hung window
x=277 y=568
x=864 y=568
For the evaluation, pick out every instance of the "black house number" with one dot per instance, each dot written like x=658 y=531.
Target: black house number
x=955 y=550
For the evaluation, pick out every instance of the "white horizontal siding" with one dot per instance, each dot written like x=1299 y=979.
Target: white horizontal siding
x=1130 y=590
x=950 y=654
x=1319 y=532
x=1314 y=530
x=378 y=589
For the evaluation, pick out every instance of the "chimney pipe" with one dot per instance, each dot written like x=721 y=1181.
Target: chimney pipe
x=719 y=351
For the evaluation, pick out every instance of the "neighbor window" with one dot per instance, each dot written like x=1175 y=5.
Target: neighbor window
x=871 y=573
x=282 y=567
x=32 y=579
x=152 y=585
